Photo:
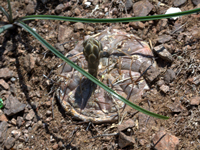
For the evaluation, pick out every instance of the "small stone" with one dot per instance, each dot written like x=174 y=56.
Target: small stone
x=4 y=84
x=142 y=8
x=59 y=9
x=3 y=117
x=5 y=73
x=176 y=107
x=160 y=83
x=195 y=101
x=13 y=79
x=178 y=3
x=127 y=124
x=169 y=76
x=13 y=121
x=55 y=146
x=78 y=26
x=16 y=133
x=165 y=141
x=164 y=88
x=77 y=11
x=59 y=47
x=30 y=115
x=64 y=32
x=3 y=130
x=195 y=80
x=29 y=62
x=20 y=146
x=30 y=8
x=9 y=142
x=48 y=113
x=196 y=2
x=20 y=121
x=13 y=106
x=60 y=144
x=163 y=53
x=164 y=38
x=90 y=28
x=128 y=4
x=137 y=25
x=28 y=124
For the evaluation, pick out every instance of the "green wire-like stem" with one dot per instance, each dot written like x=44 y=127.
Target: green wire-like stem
x=92 y=20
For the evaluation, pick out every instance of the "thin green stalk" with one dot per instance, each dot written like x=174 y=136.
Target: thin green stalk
x=10 y=10
x=92 y=20
x=57 y=53
x=6 y=27
x=4 y=12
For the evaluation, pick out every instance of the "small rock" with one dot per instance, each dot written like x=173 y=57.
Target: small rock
x=64 y=32
x=3 y=130
x=178 y=3
x=55 y=146
x=29 y=62
x=165 y=141
x=163 y=53
x=162 y=24
x=169 y=76
x=16 y=133
x=195 y=80
x=127 y=124
x=48 y=113
x=13 y=121
x=13 y=79
x=160 y=83
x=60 y=144
x=77 y=11
x=9 y=142
x=164 y=38
x=78 y=26
x=137 y=25
x=28 y=124
x=142 y=8
x=59 y=47
x=59 y=9
x=176 y=107
x=30 y=8
x=30 y=115
x=4 y=84
x=20 y=121
x=20 y=146
x=151 y=74
x=195 y=101
x=5 y=73
x=164 y=88
x=196 y=2
x=13 y=106
x=128 y=4
x=90 y=28
x=3 y=117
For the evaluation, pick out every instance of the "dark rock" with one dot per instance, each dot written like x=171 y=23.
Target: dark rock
x=178 y=3
x=196 y=2
x=59 y=9
x=59 y=47
x=9 y=143
x=142 y=8
x=128 y=4
x=5 y=73
x=163 y=53
x=64 y=32
x=13 y=106
x=169 y=76
x=164 y=38
x=151 y=74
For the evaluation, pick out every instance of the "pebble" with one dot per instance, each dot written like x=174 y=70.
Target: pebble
x=162 y=52
x=20 y=121
x=196 y=2
x=164 y=38
x=55 y=146
x=169 y=76
x=78 y=26
x=5 y=73
x=160 y=82
x=128 y=4
x=164 y=88
x=165 y=141
x=30 y=8
x=142 y=8
x=9 y=142
x=16 y=133
x=13 y=79
x=137 y=25
x=3 y=130
x=77 y=11
x=59 y=9
x=30 y=115
x=13 y=106
x=29 y=62
x=64 y=32
x=178 y=3
x=48 y=113
x=4 y=84
x=13 y=121
x=195 y=101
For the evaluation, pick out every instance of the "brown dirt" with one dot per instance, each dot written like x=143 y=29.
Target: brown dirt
x=33 y=89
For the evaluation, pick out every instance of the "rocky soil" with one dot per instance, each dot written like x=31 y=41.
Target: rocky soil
x=32 y=118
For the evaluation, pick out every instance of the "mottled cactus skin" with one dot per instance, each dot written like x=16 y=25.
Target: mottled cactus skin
x=92 y=52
